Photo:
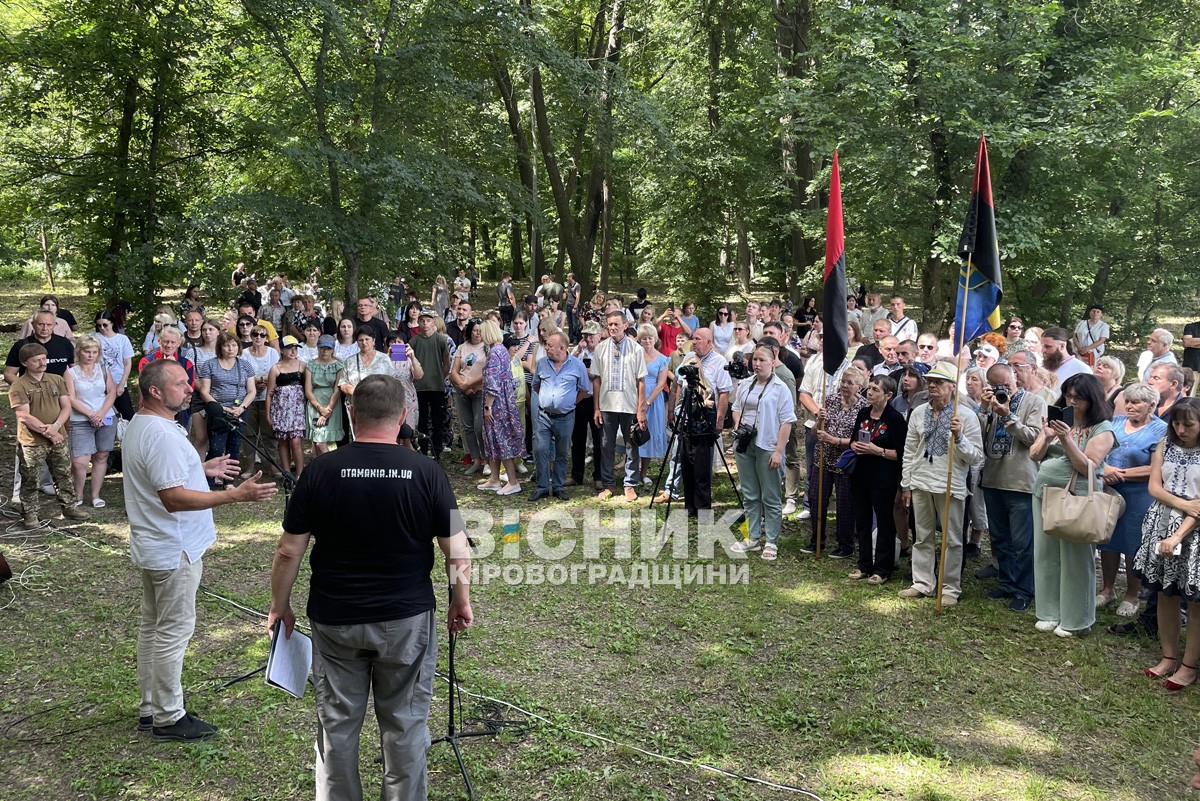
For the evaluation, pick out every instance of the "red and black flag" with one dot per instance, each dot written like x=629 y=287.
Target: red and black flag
x=836 y=342
x=977 y=307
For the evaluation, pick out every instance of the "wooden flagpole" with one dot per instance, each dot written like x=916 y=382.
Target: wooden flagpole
x=823 y=516
x=959 y=332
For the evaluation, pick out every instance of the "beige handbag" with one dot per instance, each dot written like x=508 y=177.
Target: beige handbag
x=1085 y=519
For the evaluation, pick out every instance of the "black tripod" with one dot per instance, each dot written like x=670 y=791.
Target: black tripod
x=490 y=727
x=692 y=421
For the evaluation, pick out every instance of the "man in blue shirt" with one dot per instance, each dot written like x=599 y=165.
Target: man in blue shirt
x=560 y=380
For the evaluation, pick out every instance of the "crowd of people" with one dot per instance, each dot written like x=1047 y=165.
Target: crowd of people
x=915 y=438
x=520 y=383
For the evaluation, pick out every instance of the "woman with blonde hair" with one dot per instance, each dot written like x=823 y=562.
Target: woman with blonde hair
x=440 y=297
x=92 y=425
x=1110 y=372
x=656 y=387
x=503 y=440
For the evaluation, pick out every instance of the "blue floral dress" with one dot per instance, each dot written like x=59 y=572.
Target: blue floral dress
x=502 y=434
x=656 y=413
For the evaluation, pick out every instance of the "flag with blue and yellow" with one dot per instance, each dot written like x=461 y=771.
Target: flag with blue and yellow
x=977 y=306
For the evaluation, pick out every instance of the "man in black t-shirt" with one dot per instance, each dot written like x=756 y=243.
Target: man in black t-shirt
x=374 y=509
x=1191 y=345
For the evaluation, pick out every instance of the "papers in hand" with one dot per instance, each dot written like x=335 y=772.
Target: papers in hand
x=289 y=661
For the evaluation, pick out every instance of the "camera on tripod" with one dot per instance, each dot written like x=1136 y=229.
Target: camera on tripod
x=691 y=374
x=738 y=369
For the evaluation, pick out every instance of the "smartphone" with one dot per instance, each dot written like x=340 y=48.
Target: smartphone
x=1054 y=413
x=1177 y=550
x=864 y=436
x=399 y=352
x=1068 y=415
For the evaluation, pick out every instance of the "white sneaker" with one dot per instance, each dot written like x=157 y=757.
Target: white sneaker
x=1046 y=625
x=487 y=469
x=805 y=514
x=521 y=468
x=647 y=481
x=789 y=508
x=587 y=460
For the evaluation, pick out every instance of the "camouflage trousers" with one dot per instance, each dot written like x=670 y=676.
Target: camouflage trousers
x=58 y=459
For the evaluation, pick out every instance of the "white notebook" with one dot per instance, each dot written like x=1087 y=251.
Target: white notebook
x=289 y=662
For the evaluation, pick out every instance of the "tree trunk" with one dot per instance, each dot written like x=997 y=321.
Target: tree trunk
x=793 y=19
x=743 y=254
x=116 y=242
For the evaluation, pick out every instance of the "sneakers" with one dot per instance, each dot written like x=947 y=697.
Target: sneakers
x=805 y=514
x=1019 y=604
x=188 y=728
x=630 y=495
x=473 y=469
x=949 y=600
x=604 y=495
x=745 y=546
x=487 y=470
x=145 y=723
x=998 y=594
x=789 y=508
x=1046 y=625
x=521 y=468
x=810 y=548
x=971 y=550
x=71 y=513
x=911 y=592
x=841 y=553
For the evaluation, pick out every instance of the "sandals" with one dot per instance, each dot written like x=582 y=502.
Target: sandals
x=98 y=503
x=1150 y=674
x=1175 y=686
x=770 y=552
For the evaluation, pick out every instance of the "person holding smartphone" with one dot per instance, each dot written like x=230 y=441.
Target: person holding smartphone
x=1076 y=439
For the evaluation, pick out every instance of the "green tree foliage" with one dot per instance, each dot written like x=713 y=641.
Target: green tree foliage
x=149 y=143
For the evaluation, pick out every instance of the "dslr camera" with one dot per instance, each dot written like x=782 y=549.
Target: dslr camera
x=738 y=369
x=1001 y=395
x=743 y=437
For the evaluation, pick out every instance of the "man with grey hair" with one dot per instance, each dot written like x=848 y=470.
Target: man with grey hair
x=375 y=509
x=1158 y=348
x=1168 y=380
x=1011 y=420
x=560 y=381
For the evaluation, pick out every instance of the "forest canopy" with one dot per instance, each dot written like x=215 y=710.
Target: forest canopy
x=146 y=144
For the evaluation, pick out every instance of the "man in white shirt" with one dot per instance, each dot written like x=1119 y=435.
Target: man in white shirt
x=903 y=327
x=696 y=454
x=171 y=525
x=1158 y=346
x=1055 y=357
x=887 y=347
x=618 y=374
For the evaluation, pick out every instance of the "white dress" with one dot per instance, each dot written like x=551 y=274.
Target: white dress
x=1173 y=575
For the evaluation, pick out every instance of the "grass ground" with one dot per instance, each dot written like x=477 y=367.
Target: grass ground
x=798 y=677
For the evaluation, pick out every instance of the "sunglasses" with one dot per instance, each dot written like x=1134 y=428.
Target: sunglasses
x=1017 y=327
x=258 y=336
x=740 y=328
x=245 y=325
x=927 y=347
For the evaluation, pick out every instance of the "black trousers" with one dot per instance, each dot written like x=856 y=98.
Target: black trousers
x=585 y=426
x=869 y=496
x=696 y=455
x=431 y=408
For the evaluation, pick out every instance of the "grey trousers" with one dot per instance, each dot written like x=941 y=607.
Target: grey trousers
x=395 y=661
x=167 y=622
x=928 y=508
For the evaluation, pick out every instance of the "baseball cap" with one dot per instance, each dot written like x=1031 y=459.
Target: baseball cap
x=326 y=341
x=987 y=350
x=289 y=342
x=943 y=371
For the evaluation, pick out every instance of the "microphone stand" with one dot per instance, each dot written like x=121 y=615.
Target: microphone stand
x=287 y=478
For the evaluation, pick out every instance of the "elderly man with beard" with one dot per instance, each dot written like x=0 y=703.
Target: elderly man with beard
x=1055 y=357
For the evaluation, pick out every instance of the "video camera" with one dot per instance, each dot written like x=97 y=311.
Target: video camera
x=738 y=369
